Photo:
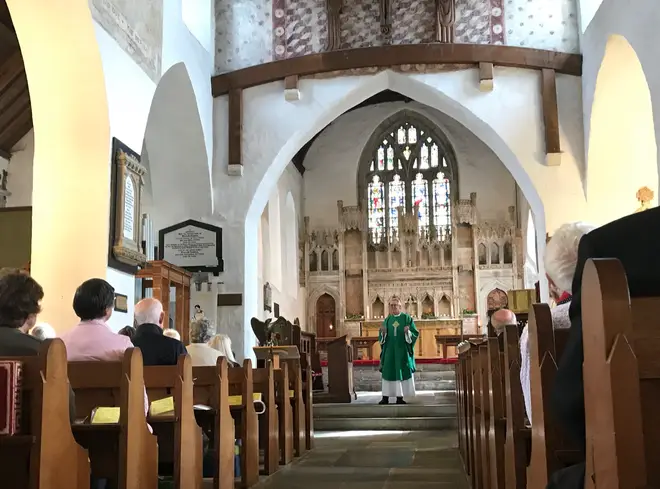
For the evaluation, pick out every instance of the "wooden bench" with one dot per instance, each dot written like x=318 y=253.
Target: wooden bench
x=550 y=449
x=44 y=454
x=211 y=388
x=285 y=413
x=298 y=406
x=125 y=452
x=497 y=405
x=621 y=380
x=179 y=436
x=264 y=384
x=241 y=383
x=518 y=434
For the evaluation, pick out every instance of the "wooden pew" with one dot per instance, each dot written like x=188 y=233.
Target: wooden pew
x=45 y=454
x=476 y=453
x=179 y=436
x=460 y=405
x=550 y=450
x=485 y=416
x=264 y=383
x=126 y=451
x=308 y=382
x=497 y=426
x=516 y=446
x=621 y=380
x=241 y=383
x=285 y=413
x=211 y=388
x=297 y=406
x=466 y=404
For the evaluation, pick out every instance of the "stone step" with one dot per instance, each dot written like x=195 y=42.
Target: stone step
x=423 y=375
x=357 y=410
x=375 y=385
x=410 y=423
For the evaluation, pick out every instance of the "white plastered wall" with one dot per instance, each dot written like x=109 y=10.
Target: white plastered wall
x=509 y=121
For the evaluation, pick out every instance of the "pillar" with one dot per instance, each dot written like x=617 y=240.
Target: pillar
x=71 y=188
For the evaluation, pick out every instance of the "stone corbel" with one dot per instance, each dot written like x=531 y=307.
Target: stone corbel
x=291 y=91
x=486 y=77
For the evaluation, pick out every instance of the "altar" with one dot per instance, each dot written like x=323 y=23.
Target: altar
x=426 y=345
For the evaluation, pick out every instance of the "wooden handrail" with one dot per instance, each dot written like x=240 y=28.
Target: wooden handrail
x=405 y=54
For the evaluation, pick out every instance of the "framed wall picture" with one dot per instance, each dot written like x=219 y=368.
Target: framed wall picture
x=121 y=303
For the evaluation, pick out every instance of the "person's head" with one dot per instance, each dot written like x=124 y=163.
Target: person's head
x=201 y=331
x=20 y=296
x=395 y=306
x=43 y=331
x=172 y=333
x=127 y=331
x=502 y=318
x=561 y=255
x=149 y=311
x=222 y=343
x=94 y=299
x=197 y=308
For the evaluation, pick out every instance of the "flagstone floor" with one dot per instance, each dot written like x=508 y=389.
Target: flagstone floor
x=375 y=460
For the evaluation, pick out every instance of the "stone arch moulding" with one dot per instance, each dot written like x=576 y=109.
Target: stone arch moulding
x=622 y=129
x=311 y=306
x=369 y=86
x=174 y=139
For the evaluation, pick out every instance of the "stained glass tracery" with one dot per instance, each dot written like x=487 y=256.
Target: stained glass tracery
x=409 y=171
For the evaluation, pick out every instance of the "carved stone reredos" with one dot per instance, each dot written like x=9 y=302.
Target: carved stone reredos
x=351 y=217
x=323 y=238
x=490 y=230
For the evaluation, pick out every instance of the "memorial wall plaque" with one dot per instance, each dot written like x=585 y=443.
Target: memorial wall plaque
x=127 y=183
x=192 y=245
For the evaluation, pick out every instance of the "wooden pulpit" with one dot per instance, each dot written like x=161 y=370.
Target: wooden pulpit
x=160 y=276
x=276 y=354
x=340 y=371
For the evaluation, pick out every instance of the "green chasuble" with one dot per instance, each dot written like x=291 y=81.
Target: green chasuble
x=397 y=361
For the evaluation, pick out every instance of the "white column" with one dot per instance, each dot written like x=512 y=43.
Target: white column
x=71 y=189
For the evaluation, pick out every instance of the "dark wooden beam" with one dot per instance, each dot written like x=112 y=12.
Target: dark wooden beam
x=395 y=55
x=486 y=77
x=11 y=69
x=13 y=110
x=235 y=128
x=18 y=128
x=550 y=116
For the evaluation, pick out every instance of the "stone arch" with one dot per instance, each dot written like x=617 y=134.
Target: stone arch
x=622 y=135
x=313 y=299
x=414 y=89
x=174 y=141
x=59 y=49
x=290 y=228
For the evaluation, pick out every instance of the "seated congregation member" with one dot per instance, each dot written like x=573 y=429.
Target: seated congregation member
x=43 y=331
x=502 y=318
x=222 y=343
x=92 y=339
x=20 y=296
x=157 y=349
x=127 y=331
x=633 y=240
x=172 y=333
x=201 y=353
x=560 y=260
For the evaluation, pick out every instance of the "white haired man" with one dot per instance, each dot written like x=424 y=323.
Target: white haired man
x=157 y=349
x=397 y=337
x=561 y=254
x=502 y=318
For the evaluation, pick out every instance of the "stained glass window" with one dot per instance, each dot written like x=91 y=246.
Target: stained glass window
x=408 y=169
x=376 y=209
x=397 y=194
x=420 y=191
x=441 y=206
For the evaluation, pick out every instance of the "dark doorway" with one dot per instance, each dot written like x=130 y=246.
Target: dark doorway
x=326 y=326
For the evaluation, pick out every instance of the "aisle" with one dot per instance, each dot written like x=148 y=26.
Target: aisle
x=375 y=460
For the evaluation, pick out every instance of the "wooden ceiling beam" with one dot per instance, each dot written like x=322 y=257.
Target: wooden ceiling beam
x=18 y=128
x=10 y=70
x=13 y=111
x=396 y=55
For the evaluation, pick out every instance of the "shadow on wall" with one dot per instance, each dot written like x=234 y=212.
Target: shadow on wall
x=622 y=154
x=178 y=182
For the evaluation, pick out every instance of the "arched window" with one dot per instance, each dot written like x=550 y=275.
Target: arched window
x=408 y=168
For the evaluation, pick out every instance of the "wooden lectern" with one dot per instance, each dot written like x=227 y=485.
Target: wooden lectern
x=276 y=354
x=160 y=276
x=340 y=371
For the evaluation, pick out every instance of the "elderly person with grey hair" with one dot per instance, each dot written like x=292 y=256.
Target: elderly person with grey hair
x=43 y=331
x=560 y=261
x=201 y=331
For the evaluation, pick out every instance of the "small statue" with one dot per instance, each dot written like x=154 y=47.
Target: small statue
x=644 y=196
x=268 y=333
x=445 y=17
x=199 y=313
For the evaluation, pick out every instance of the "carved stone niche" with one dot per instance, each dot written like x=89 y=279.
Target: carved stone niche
x=127 y=198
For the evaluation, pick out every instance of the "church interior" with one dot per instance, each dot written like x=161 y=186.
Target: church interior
x=283 y=170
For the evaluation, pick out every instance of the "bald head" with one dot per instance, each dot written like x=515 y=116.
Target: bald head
x=502 y=318
x=149 y=311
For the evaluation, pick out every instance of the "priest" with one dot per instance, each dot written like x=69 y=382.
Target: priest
x=397 y=337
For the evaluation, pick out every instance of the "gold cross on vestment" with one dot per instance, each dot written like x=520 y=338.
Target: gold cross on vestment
x=395 y=325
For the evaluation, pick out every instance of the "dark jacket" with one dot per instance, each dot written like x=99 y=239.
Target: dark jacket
x=157 y=349
x=14 y=343
x=634 y=241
